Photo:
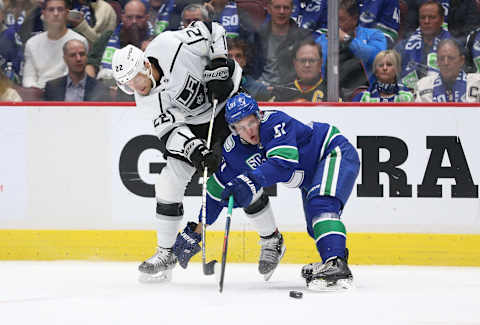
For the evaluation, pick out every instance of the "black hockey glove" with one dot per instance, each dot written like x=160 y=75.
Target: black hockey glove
x=218 y=77
x=200 y=156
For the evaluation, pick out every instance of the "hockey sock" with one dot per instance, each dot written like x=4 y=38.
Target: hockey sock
x=328 y=230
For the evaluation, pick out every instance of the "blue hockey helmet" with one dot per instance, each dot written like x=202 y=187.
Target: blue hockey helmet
x=240 y=106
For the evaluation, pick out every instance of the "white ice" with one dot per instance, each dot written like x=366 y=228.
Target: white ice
x=70 y=293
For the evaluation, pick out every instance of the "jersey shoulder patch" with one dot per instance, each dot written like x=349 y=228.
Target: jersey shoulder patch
x=229 y=143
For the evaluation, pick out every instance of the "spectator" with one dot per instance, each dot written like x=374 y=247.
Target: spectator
x=464 y=17
x=33 y=23
x=11 y=55
x=278 y=38
x=226 y=14
x=472 y=46
x=452 y=84
x=312 y=15
x=252 y=11
x=175 y=20
x=43 y=52
x=363 y=43
x=412 y=19
x=76 y=86
x=383 y=15
x=16 y=11
x=7 y=92
x=159 y=14
x=387 y=66
x=239 y=50
x=92 y=18
x=418 y=52
x=309 y=86
x=194 y=11
x=133 y=29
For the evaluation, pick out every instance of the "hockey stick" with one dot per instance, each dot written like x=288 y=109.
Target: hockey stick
x=208 y=268
x=225 y=242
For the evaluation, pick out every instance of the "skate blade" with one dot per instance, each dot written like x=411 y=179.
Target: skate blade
x=160 y=277
x=325 y=286
x=267 y=276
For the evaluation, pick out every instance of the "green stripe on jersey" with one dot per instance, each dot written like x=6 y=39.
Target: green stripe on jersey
x=325 y=226
x=214 y=187
x=331 y=174
x=332 y=131
x=289 y=153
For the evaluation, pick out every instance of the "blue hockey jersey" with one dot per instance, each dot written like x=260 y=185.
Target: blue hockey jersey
x=383 y=15
x=288 y=153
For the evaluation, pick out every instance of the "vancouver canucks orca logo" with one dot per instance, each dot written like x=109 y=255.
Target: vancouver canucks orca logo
x=254 y=161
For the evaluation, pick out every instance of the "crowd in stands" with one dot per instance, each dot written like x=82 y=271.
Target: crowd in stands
x=389 y=50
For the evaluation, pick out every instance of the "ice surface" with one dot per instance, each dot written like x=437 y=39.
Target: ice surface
x=108 y=293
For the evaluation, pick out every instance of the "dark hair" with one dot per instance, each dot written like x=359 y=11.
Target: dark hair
x=66 y=2
x=350 y=6
x=441 y=11
x=308 y=41
x=241 y=44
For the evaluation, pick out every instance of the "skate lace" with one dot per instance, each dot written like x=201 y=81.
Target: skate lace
x=270 y=249
x=320 y=268
x=162 y=256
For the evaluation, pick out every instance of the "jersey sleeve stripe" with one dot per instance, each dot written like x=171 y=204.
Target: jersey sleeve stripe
x=196 y=41
x=214 y=188
x=175 y=57
x=288 y=153
x=331 y=134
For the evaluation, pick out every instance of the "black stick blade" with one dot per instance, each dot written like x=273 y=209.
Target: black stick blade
x=209 y=268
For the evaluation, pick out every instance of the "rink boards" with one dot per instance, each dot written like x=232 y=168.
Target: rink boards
x=76 y=182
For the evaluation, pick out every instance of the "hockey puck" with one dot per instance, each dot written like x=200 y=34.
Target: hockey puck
x=296 y=294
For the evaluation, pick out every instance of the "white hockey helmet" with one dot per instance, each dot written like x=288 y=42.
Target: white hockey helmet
x=127 y=62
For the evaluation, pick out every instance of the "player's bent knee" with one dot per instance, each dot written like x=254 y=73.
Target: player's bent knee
x=258 y=205
x=169 y=209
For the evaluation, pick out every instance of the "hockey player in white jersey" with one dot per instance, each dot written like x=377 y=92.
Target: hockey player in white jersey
x=176 y=79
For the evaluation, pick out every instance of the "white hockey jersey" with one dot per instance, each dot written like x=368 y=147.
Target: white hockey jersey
x=424 y=93
x=181 y=98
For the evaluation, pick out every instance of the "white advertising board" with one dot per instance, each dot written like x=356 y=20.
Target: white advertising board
x=95 y=168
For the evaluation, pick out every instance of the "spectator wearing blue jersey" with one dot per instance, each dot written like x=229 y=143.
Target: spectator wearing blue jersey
x=11 y=53
x=225 y=13
x=312 y=15
x=472 y=49
x=363 y=43
x=383 y=15
x=419 y=51
x=386 y=88
x=16 y=11
x=412 y=18
x=160 y=12
x=271 y=147
x=278 y=39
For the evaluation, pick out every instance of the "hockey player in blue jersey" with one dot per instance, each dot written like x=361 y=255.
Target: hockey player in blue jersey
x=270 y=147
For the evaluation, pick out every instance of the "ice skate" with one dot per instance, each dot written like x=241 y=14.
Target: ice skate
x=271 y=253
x=331 y=276
x=158 y=268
